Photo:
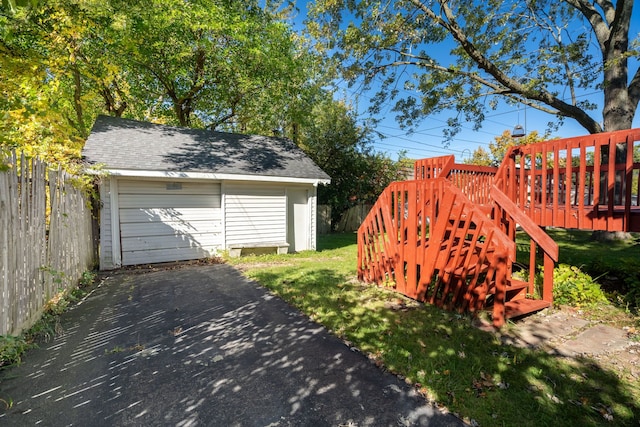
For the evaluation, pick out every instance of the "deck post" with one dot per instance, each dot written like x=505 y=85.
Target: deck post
x=547 y=285
x=533 y=248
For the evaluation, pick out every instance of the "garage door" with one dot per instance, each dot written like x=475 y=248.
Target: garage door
x=164 y=221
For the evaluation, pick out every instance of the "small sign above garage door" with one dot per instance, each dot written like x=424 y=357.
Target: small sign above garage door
x=163 y=221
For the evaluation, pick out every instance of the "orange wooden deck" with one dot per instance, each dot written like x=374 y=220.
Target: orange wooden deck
x=447 y=237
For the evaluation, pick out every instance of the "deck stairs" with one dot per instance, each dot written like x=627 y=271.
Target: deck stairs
x=447 y=237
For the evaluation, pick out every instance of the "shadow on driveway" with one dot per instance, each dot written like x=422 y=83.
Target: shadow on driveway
x=201 y=345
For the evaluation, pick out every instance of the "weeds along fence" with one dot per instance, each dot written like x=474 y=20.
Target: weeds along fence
x=46 y=240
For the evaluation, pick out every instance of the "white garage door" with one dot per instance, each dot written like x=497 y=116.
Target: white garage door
x=164 y=221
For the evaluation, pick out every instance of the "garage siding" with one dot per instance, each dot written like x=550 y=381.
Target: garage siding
x=254 y=214
x=168 y=221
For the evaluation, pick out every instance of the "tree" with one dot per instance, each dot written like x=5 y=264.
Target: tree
x=538 y=53
x=33 y=96
x=498 y=148
x=342 y=148
x=228 y=65
x=207 y=63
x=480 y=157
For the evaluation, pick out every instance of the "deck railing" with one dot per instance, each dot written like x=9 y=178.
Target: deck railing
x=589 y=182
x=433 y=167
x=508 y=215
x=426 y=239
x=474 y=181
x=448 y=237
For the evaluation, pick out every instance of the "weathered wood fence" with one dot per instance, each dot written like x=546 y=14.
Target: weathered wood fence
x=324 y=219
x=45 y=237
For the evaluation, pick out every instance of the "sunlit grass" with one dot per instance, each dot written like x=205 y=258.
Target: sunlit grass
x=441 y=353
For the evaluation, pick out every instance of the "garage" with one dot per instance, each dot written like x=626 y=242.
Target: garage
x=168 y=221
x=174 y=194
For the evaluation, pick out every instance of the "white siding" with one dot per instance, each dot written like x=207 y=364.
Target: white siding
x=255 y=213
x=168 y=221
x=106 y=239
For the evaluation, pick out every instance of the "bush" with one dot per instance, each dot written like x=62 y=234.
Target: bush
x=11 y=350
x=573 y=287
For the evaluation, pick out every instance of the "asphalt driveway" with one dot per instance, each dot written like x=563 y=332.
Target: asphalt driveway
x=201 y=345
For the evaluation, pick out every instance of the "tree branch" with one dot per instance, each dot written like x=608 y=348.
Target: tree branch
x=600 y=27
x=514 y=85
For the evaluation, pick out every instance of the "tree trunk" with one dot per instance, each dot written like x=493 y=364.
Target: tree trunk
x=618 y=108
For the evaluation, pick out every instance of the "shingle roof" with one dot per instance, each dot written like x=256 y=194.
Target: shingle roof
x=128 y=144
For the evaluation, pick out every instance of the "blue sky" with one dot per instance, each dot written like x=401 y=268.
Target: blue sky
x=427 y=139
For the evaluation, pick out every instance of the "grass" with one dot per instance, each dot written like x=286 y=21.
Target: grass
x=451 y=362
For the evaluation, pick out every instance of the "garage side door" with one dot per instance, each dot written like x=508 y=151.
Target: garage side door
x=164 y=221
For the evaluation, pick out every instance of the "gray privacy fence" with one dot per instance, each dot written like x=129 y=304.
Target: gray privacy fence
x=324 y=219
x=46 y=240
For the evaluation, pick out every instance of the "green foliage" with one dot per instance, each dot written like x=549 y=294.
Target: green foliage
x=342 y=148
x=621 y=280
x=230 y=65
x=87 y=279
x=11 y=349
x=467 y=58
x=575 y=288
x=616 y=264
x=480 y=157
x=498 y=148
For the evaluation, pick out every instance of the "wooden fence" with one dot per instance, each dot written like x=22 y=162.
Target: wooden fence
x=352 y=218
x=46 y=240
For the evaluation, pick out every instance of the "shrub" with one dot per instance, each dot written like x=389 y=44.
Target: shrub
x=11 y=350
x=573 y=287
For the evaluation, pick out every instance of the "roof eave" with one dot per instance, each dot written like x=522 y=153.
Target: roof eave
x=149 y=174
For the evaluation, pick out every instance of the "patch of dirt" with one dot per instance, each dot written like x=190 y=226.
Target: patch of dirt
x=258 y=265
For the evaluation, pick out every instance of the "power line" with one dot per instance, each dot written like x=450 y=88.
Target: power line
x=424 y=143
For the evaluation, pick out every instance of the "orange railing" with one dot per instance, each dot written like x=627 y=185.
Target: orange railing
x=433 y=167
x=426 y=239
x=474 y=181
x=448 y=237
x=507 y=215
x=576 y=183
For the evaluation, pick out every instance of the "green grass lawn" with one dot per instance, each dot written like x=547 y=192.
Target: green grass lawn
x=451 y=362
x=578 y=248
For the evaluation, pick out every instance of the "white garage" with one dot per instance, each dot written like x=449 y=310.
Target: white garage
x=171 y=194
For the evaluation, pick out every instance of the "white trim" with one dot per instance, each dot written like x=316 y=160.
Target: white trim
x=309 y=224
x=223 y=213
x=313 y=199
x=106 y=261
x=207 y=176
x=116 y=251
